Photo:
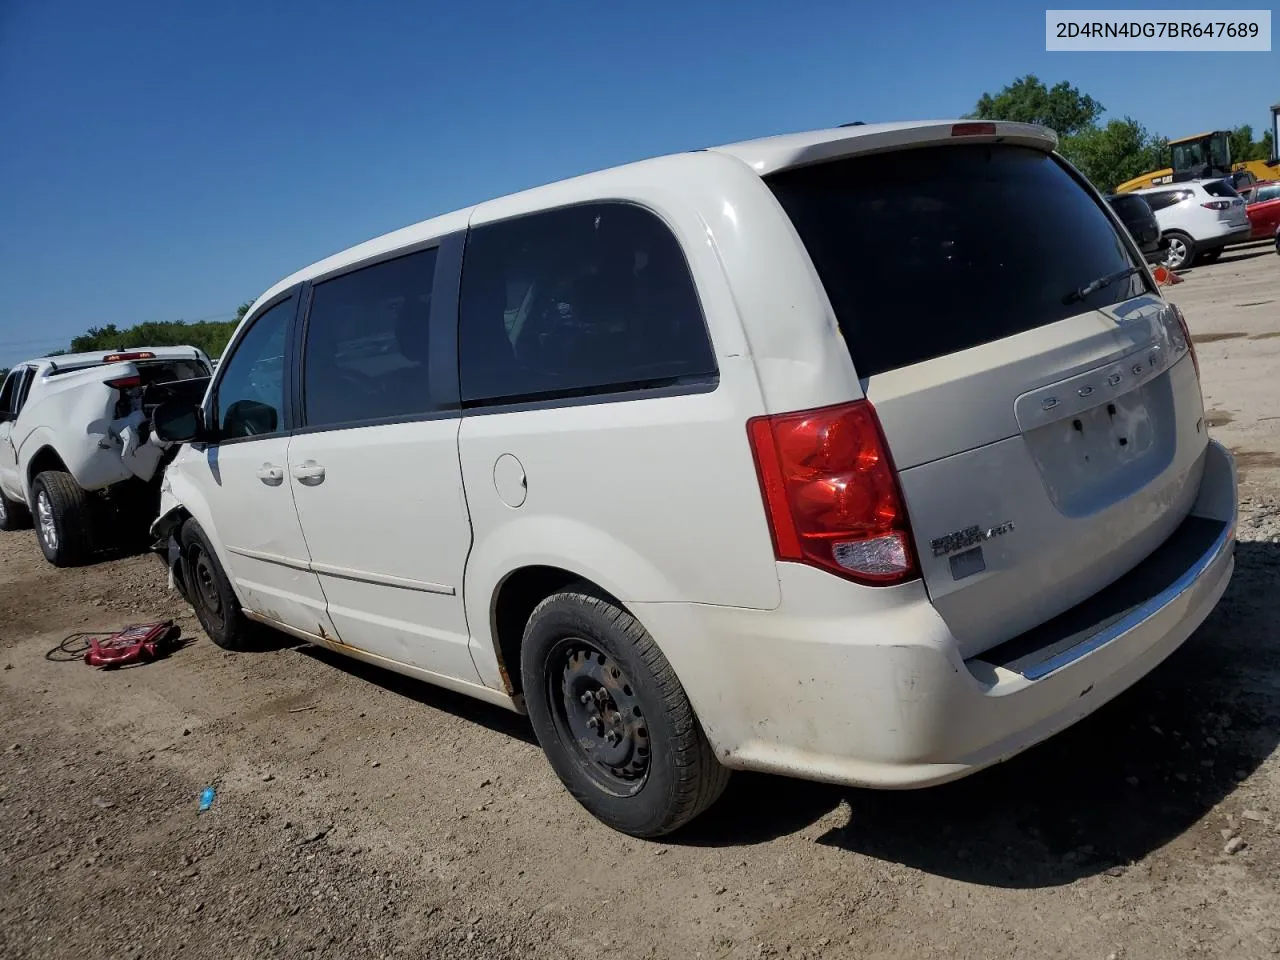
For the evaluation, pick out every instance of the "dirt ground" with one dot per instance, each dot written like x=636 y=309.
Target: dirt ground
x=362 y=815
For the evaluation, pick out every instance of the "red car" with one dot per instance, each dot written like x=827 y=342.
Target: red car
x=1263 y=208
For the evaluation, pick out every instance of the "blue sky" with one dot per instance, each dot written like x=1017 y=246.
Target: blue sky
x=161 y=161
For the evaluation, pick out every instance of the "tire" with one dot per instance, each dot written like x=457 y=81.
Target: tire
x=1208 y=256
x=64 y=519
x=1180 y=250
x=13 y=515
x=592 y=672
x=210 y=592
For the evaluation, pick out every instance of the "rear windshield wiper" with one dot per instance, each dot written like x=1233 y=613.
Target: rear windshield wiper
x=1095 y=285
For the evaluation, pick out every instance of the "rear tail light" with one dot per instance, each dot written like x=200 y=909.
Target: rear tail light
x=1186 y=336
x=1217 y=204
x=125 y=383
x=973 y=129
x=831 y=493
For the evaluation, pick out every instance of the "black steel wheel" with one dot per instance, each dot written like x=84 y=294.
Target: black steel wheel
x=210 y=591
x=597 y=712
x=612 y=717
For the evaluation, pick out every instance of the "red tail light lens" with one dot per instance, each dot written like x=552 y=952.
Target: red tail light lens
x=125 y=383
x=1186 y=335
x=831 y=493
x=1217 y=204
x=973 y=129
x=136 y=355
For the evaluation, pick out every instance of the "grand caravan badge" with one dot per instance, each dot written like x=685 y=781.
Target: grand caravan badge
x=968 y=537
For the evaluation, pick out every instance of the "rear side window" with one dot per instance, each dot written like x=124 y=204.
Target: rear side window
x=1266 y=193
x=931 y=251
x=583 y=300
x=368 y=343
x=1166 y=198
x=1220 y=188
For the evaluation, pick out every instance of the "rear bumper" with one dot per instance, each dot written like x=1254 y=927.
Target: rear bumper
x=885 y=699
x=1229 y=235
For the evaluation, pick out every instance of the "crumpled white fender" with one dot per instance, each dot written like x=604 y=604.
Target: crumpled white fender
x=140 y=457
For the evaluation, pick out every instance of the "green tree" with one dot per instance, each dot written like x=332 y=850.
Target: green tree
x=211 y=336
x=1112 y=154
x=1062 y=107
x=1244 y=147
x=243 y=309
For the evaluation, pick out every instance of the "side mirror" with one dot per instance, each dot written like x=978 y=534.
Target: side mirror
x=176 y=421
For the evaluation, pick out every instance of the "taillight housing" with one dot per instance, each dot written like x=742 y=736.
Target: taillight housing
x=973 y=129
x=125 y=383
x=1186 y=336
x=1217 y=204
x=831 y=493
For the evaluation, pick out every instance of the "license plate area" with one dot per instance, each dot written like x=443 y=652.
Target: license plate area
x=1101 y=454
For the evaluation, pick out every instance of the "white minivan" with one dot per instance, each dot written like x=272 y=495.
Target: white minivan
x=814 y=455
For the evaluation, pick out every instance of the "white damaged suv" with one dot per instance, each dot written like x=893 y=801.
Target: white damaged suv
x=813 y=455
x=76 y=449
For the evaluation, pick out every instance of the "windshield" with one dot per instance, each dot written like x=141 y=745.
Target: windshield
x=1213 y=150
x=1003 y=236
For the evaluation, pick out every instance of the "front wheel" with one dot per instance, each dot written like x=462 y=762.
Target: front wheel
x=210 y=591
x=612 y=717
x=64 y=519
x=1180 y=251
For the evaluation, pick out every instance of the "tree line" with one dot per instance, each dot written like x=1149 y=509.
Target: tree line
x=1107 y=153
x=211 y=336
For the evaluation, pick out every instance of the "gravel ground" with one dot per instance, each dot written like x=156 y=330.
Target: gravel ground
x=359 y=814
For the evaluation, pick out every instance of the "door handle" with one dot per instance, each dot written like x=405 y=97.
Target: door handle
x=309 y=473
x=271 y=475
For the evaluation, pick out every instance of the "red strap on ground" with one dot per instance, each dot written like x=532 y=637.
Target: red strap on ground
x=141 y=642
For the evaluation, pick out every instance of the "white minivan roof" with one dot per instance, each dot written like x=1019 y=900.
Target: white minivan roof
x=764 y=156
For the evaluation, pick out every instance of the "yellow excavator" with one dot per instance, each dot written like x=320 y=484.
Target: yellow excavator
x=1208 y=155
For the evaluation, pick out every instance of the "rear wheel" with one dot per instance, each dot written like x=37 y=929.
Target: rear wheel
x=1180 y=250
x=210 y=591
x=64 y=518
x=13 y=515
x=612 y=718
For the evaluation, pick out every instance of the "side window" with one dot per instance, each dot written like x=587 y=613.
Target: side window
x=9 y=390
x=250 y=397
x=578 y=301
x=24 y=388
x=368 y=343
x=1158 y=201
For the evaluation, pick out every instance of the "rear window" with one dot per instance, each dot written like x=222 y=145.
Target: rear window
x=931 y=251
x=1220 y=188
x=167 y=371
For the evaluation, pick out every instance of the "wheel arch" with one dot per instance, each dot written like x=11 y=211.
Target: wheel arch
x=45 y=458
x=522 y=563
